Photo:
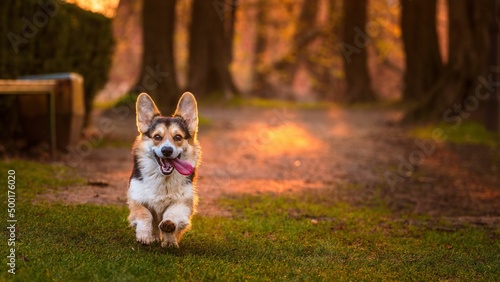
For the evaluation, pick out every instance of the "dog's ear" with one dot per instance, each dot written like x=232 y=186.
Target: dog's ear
x=146 y=110
x=188 y=110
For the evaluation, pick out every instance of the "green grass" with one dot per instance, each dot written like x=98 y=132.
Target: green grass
x=274 y=103
x=380 y=105
x=33 y=178
x=466 y=133
x=268 y=238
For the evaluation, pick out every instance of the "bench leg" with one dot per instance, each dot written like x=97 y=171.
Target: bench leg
x=53 y=132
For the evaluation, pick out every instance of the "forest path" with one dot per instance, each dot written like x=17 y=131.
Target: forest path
x=335 y=154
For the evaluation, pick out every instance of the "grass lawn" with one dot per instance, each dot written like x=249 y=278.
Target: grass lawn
x=466 y=133
x=268 y=238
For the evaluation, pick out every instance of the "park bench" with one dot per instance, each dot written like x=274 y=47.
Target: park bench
x=64 y=104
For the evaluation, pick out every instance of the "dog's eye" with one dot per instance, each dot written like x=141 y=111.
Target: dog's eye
x=177 y=138
x=157 y=137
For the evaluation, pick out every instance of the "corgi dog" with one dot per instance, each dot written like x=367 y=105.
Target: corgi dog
x=162 y=194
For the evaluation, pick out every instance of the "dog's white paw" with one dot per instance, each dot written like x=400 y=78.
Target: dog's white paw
x=146 y=239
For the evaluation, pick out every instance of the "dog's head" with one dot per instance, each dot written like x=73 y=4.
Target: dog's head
x=169 y=139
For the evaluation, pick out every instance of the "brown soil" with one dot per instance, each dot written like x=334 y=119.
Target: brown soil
x=334 y=155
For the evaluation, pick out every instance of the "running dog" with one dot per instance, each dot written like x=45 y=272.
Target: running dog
x=162 y=194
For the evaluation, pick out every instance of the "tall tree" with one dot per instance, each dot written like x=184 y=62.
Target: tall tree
x=305 y=32
x=354 y=51
x=260 y=84
x=158 y=76
x=469 y=22
x=493 y=104
x=229 y=23
x=327 y=84
x=423 y=60
x=209 y=53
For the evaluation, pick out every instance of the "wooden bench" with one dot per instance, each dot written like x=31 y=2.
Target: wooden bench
x=36 y=87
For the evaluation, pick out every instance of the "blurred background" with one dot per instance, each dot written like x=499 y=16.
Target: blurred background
x=438 y=59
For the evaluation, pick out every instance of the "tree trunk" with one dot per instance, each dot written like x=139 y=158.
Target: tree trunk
x=305 y=28
x=453 y=97
x=355 y=41
x=492 y=112
x=229 y=22
x=158 y=77
x=327 y=85
x=209 y=57
x=229 y=40
x=305 y=33
x=260 y=86
x=423 y=60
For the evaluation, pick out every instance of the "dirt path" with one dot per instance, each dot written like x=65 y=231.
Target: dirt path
x=335 y=154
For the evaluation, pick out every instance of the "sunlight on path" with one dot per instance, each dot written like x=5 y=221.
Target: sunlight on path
x=339 y=154
x=249 y=150
x=283 y=140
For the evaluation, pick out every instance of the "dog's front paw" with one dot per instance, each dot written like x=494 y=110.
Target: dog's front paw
x=169 y=244
x=167 y=226
x=146 y=239
x=169 y=241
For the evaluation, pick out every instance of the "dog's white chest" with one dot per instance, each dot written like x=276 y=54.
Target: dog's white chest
x=159 y=194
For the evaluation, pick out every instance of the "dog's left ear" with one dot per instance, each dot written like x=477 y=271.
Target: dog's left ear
x=146 y=110
x=188 y=110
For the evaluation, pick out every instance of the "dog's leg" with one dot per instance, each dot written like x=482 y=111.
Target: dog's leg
x=142 y=219
x=176 y=221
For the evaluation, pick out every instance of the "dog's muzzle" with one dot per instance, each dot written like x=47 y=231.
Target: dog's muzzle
x=168 y=165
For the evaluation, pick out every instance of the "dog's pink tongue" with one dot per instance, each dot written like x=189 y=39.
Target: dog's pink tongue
x=181 y=166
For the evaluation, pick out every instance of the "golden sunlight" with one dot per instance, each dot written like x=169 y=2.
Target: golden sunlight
x=105 y=7
x=289 y=139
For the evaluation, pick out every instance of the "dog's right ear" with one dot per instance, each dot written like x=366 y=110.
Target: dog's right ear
x=146 y=110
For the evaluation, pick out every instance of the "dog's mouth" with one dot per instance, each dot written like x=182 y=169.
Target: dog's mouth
x=167 y=166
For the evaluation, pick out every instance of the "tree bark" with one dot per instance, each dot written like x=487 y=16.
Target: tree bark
x=305 y=33
x=328 y=86
x=209 y=57
x=260 y=86
x=492 y=112
x=355 y=41
x=305 y=28
x=423 y=60
x=158 y=77
x=451 y=99
x=229 y=27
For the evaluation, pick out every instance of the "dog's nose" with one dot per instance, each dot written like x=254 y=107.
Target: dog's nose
x=167 y=151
